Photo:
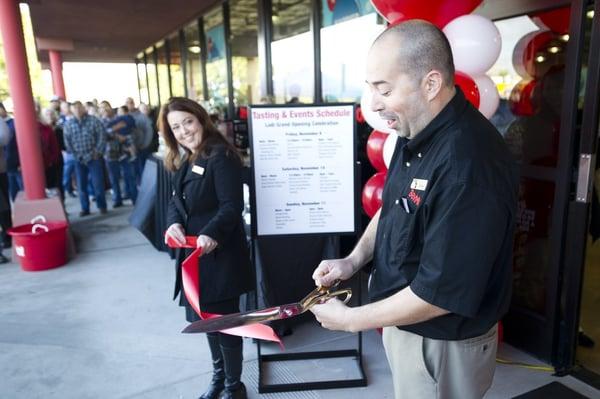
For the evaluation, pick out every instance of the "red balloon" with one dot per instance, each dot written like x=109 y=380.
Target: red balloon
x=375 y=150
x=556 y=20
x=373 y=192
x=468 y=87
x=360 y=118
x=438 y=12
x=244 y=113
x=519 y=100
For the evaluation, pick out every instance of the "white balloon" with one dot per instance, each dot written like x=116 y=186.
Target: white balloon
x=388 y=148
x=475 y=42
x=372 y=118
x=488 y=95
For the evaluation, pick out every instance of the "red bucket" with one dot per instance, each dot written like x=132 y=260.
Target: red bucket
x=40 y=246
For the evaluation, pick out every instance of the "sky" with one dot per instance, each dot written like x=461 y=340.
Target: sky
x=85 y=81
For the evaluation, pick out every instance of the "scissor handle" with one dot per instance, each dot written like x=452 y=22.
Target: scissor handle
x=347 y=292
x=322 y=294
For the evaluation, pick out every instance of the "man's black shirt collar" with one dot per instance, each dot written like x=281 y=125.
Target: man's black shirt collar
x=440 y=122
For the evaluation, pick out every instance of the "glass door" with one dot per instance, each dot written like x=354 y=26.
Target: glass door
x=581 y=333
x=539 y=74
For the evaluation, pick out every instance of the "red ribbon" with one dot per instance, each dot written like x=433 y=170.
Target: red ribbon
x=191 y=288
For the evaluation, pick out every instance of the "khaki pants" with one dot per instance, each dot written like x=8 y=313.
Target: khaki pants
x=424 y=368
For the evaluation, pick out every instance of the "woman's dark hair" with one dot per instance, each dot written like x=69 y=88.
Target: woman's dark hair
x=211 y=136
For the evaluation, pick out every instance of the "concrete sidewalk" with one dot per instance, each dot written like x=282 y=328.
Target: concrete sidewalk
x=104 y=326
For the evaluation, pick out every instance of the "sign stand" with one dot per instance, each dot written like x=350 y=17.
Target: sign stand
x=305 y=174
x=354 y=354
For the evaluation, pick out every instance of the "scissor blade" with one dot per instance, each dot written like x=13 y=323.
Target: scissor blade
x=242 y=319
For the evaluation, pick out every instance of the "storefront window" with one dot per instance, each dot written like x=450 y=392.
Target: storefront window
x=194 y=66
x=216 y=67
x=177 y=85
x=141 y=71
x=152 y=78
x=348 y=30
x=163 y=73
x=530 y=77
x=244 y=50
x=292 y=52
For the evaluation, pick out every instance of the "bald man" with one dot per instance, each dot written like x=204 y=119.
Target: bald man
x=441 y=245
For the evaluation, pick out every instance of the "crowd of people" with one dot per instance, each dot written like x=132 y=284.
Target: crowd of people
x=82 y=146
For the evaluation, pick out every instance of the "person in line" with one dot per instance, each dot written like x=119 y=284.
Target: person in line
x=68 y=158
x=84 y=137
x=441 y=244
x=117 y=159
x=207 y=203
x=11 y=153
x=144 y=137
x=5 y=214
x=52 y=136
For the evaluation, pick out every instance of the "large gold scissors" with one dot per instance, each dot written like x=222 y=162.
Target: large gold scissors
x=318 y=295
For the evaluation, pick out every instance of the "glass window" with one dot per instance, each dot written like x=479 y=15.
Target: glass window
x=290 y=18
x=244 y=49
x=530 y=76
x=348 y=30
x=163 y=73
x=152 y=78
x=177 y=85
x=292 y=52
x=143 y=85
x=216 y=68
x=194 y=66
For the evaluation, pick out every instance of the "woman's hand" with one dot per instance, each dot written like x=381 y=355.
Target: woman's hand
x=176 y=232
x=207 y=244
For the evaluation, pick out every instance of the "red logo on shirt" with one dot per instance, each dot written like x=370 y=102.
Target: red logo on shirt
x=414 y=197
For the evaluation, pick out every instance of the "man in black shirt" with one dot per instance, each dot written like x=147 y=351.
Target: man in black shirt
x=441 y=244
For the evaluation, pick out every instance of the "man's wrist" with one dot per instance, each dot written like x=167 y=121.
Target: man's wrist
x=355 y=263
x=351 y=320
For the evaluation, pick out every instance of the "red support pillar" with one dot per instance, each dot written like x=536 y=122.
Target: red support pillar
x=57 y=76
x=26 y=125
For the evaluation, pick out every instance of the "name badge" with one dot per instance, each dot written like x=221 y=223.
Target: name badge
x=419 y=184
x=198 y=169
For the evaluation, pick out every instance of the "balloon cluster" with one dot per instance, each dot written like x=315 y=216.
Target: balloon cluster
x=535 y=54
x=468 y=35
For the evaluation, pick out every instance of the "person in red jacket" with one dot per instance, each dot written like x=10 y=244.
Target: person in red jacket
x=50 y=153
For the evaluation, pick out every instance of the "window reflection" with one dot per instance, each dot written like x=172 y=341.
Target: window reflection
x=344 y=48
x=290 y=18
x=244 y=50
x=292 y=52
x=216 y=67
x=194 y=67
x=177 y=87
x=530 y=76
x=141 y=70
x=163 y=73
x=152 y=78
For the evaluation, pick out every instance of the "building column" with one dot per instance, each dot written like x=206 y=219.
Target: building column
x=58 y=83
x=26 y=125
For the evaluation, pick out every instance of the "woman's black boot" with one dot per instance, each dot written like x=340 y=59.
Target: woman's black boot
x=217 y=384
x=234 y=388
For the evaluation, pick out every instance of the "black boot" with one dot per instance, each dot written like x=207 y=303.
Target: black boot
x=234 y=388
x=217 y=384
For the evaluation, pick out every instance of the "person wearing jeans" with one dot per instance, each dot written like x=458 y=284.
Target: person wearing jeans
x=95 y=169
x=117 y=158
x=84 y=137
x=115 y=168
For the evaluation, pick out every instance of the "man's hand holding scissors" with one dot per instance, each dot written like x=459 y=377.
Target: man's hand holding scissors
x=333 y=314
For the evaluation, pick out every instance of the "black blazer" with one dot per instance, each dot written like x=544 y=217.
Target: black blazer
x=207 y=199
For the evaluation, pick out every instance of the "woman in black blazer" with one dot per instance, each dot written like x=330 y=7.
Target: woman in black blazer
x=207 y=202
